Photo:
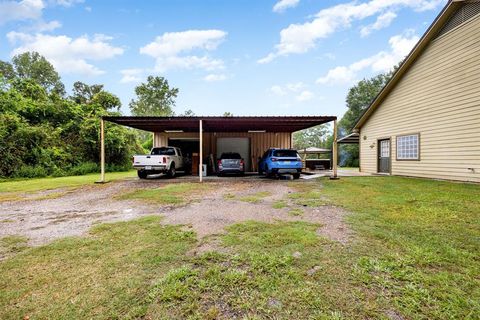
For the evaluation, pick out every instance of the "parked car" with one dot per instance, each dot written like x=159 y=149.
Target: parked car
x=280 y=161
x=160 y=160
x=230 y=162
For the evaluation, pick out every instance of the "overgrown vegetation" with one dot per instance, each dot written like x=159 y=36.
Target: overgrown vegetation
x=43 y=132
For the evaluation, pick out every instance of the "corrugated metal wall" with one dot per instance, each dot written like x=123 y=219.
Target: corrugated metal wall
x=259 y=142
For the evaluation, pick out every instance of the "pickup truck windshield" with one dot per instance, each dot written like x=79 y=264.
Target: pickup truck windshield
x=285 y=153
x=163 y=151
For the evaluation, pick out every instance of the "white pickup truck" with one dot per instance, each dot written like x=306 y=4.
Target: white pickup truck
x=160 y=160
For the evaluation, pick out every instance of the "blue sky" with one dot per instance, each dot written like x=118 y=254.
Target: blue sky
x=256 y=57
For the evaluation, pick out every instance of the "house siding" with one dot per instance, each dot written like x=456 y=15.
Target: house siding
x=259 y=142
x=439 y=98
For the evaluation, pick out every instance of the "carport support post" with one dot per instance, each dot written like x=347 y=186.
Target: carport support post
x=334 y=151
x=200 y=161
x=102 y=151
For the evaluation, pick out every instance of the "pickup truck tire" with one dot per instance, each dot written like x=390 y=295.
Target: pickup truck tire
x=142 y=174
x=296 y=176
x=172 y=172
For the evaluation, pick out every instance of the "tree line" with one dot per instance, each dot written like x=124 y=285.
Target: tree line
x=45 y=132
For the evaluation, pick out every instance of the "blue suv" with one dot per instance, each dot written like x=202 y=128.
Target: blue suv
x=278 y=161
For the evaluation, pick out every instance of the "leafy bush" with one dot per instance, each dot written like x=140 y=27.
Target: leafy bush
x=30 y=172
x=43 y=133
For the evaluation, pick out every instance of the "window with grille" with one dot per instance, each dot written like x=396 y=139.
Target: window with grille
x=408 y=147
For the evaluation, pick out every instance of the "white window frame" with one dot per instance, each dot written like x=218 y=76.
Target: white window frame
x=407 y=146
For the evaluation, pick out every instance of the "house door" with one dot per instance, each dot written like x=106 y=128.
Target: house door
x=384 y=156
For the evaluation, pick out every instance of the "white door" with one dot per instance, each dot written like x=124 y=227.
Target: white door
x=239 y=145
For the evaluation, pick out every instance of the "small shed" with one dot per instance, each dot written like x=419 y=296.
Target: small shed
x=209 y=136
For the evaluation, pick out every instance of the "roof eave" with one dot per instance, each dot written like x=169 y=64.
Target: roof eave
x=431 y=32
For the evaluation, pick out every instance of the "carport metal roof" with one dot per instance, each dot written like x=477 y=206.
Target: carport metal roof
x=222 y=124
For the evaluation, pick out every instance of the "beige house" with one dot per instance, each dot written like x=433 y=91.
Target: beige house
x=426 y=121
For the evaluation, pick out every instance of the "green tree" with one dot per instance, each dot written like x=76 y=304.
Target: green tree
x=84 y=93
x=33 y=66
x=154 y=98
x=358 y=99
x=312 y=137
x=227 y=114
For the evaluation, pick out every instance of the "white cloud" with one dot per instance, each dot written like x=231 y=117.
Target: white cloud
x=131 y=75
x=278 y=90
x=400 y=46
x=383 y=21
x=20 y=10
x=67 y=3
x=300 y=38
x=215 y=77
x=305 y=95
x=283 y=5
x=66 y=54
x=295 y=90
x=43 y=26
x=338 y=75
x=174 y=50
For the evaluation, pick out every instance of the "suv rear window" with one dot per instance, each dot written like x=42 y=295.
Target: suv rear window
x=163 y=151
x=230 y=155
x=285 y=153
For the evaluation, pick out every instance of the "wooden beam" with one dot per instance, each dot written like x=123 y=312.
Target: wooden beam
x=200 y=161
x=335 y=151
x=102 y=151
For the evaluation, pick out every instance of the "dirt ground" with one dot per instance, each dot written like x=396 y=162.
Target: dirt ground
x=75 y=211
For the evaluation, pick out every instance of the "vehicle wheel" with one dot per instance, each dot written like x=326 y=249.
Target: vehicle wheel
x=296 y=176
x=142 y=174
x=267 y=173
x=171 y=172
x=260 y=172
x=219 y=174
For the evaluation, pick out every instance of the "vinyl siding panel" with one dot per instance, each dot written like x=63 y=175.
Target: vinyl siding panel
x=259 y=142
x=439 y=98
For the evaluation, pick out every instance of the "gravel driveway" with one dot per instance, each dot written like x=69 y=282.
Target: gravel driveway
x=75 y=211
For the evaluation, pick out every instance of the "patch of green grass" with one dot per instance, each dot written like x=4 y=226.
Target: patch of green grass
x=228 y=196
x=419 y=242
x=280 y=204
x=308 y=194
x=295 y=212
x=255 y=197
x=264 y=279
x=173 y=193
x=39 y=184
x=12 y=244
x=106 y=275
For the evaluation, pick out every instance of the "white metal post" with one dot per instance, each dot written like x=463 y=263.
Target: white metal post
x=200 y=170
x=102 y=150
x=335 y=150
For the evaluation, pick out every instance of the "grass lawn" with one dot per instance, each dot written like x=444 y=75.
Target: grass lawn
x=11 y=190
x=416 y=256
